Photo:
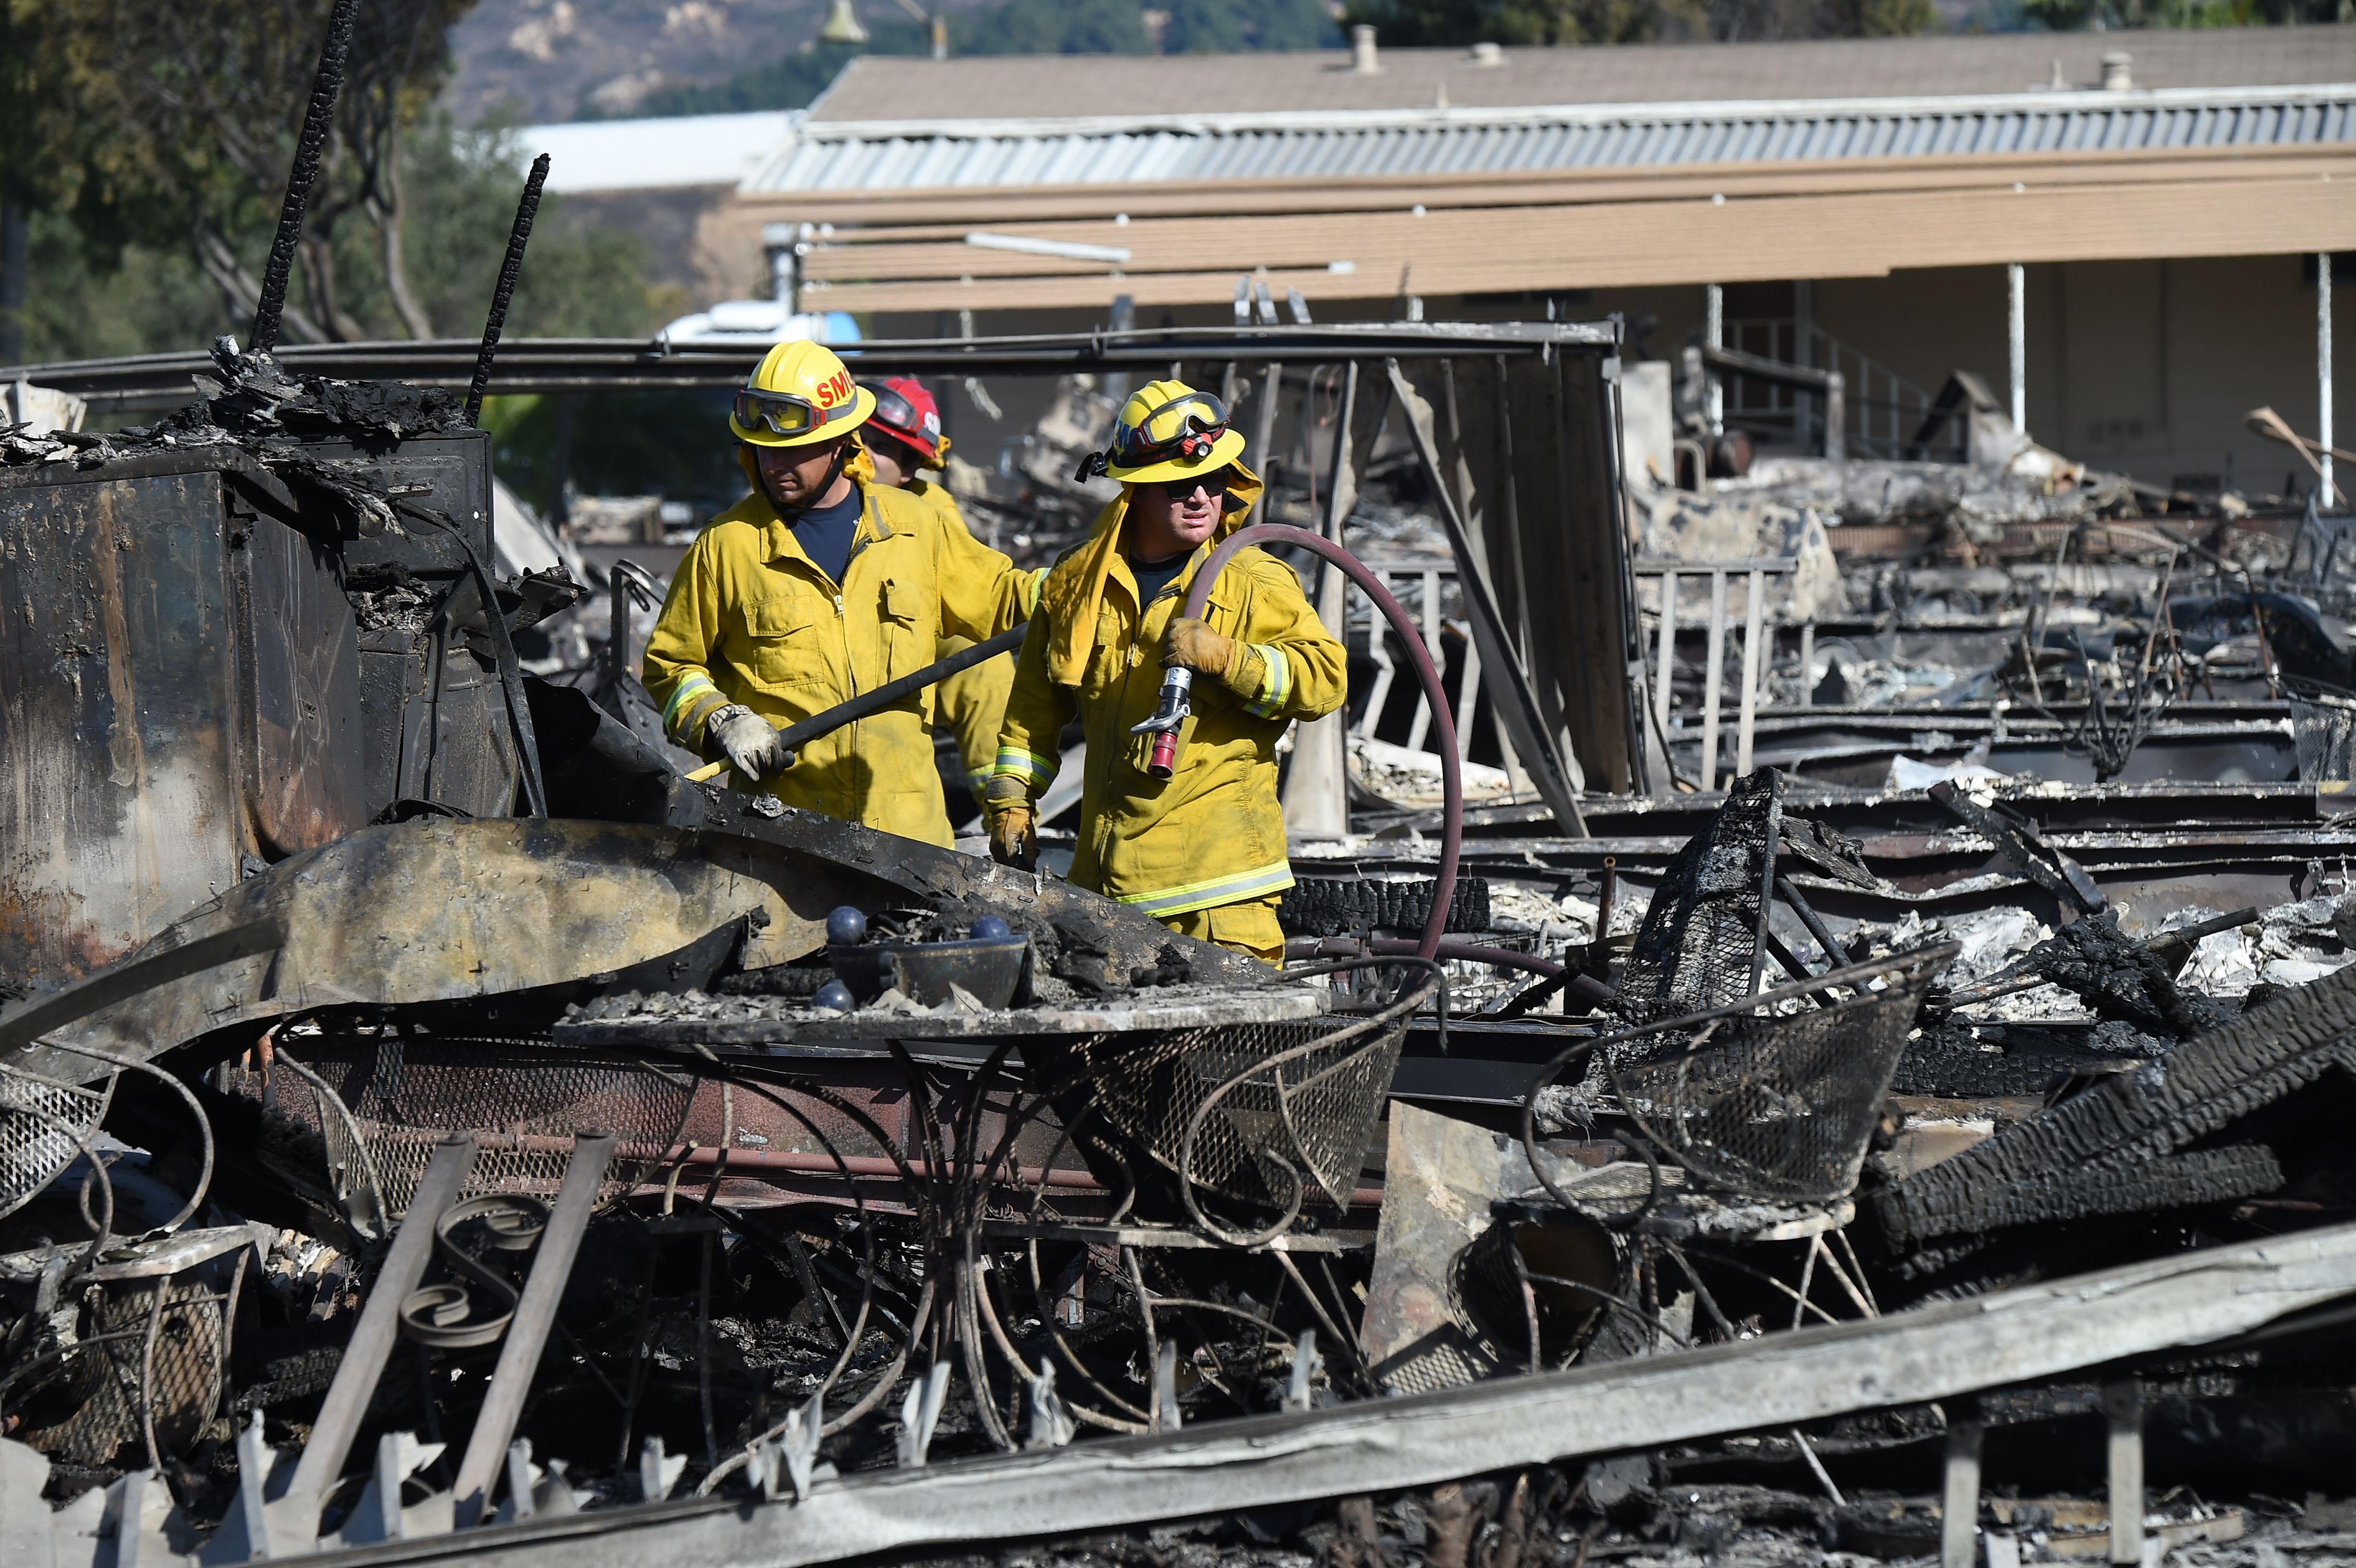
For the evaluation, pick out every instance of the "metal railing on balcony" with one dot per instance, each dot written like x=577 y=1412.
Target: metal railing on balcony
x=1883 y=412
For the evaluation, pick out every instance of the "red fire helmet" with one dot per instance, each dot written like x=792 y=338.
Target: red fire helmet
x=905 y=410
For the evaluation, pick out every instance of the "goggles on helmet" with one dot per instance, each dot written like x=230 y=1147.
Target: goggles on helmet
x=896 y=412
x=782 y=412
x=896 y=419
x=1190 y=424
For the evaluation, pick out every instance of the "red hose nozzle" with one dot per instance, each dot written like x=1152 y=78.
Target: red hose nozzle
x=1177 y=686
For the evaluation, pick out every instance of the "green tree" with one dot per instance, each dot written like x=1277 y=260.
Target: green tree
x=1875 y=18
x=579 y=279
x=129 y=300
x=1526 y=23
x=2068 y=15
x=1053 y=26
x=787 y=83
x=171 y=127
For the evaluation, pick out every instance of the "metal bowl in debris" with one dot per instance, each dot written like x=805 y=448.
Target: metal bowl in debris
x=991 y=969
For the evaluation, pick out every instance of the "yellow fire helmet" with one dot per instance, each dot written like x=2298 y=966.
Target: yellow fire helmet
x=1167 y=430
x=800 y=393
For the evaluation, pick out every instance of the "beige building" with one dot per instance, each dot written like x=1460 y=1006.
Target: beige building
x=2165 y=195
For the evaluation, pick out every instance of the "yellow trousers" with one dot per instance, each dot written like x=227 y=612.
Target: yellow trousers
x=1246 y=928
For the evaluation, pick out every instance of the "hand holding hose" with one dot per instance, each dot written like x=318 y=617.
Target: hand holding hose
x=1166 y=724
x=1191 y=642
x=751 y=742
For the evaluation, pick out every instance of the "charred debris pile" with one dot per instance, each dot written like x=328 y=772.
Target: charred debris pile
x=2000 y=612
x=774 y=1189
x=1909 y=1120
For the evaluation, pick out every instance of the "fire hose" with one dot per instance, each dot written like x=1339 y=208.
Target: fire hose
x=1177 y=684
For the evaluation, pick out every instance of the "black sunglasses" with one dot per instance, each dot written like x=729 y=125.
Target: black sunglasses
x=1215 y=485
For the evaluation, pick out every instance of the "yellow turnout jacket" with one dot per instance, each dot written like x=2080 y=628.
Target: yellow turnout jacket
x=751 y=619
x=971 y=704
x=1212 y=833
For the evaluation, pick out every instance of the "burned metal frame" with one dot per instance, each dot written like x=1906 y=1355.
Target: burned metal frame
x=1548 y=513
x=1934 y=1352
x=150 y=381
x=1548 y=505
x=1829 y=386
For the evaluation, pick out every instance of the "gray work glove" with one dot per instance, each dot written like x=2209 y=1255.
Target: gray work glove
x=750 y=741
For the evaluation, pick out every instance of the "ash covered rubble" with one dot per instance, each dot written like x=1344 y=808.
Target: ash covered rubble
x=478 y=992
x=2132 y=701
x=802 y=1239
x=2008 y=614
x=494 y=1144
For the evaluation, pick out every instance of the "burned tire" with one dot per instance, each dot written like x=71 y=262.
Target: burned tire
x=1329 y=906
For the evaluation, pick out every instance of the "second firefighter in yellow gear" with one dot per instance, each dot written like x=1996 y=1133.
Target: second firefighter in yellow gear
x=902 y=438
x=756 y=627
x=1204 y=850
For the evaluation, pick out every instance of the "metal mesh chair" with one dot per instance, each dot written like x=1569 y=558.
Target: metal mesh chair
x=1251 y=1113
x=1698 y=945
x=1780 y=1107
x=143 y=1378
x=43 y=1125
x=1769 y=1106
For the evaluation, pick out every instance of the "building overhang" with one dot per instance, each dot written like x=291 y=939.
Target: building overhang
x=1370 y=205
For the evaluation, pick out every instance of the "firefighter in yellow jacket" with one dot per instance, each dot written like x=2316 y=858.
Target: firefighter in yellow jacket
x=903 y=437
x=821 y=585
x=1204 y=850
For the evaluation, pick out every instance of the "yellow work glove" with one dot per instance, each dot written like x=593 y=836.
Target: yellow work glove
x=1235 y=665
x=1013 y=831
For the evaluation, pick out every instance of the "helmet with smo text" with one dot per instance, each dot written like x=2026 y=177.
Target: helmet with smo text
x=802 y=393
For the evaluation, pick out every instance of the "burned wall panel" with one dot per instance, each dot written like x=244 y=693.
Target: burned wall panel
x=303 y=783
x=119 y=800
x=1571 y=550
x=436 y=724
x=182 y=693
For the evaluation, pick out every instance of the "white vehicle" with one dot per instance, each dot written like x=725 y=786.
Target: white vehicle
x=758 y=321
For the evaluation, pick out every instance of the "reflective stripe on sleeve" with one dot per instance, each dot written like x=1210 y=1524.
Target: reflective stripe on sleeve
x=1028 y=765
x=690 y=690
x=1275 y=681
